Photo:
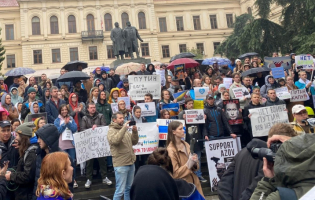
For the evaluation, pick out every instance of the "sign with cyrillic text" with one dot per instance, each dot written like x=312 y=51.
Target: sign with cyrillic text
x=299 y=95
x=283 y=93
x=139 y=85
x=147 y=109
x=305 y=60
x=195 y=116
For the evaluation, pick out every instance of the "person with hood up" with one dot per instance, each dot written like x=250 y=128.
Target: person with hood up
x=9 y=106
x=4 y=114
x=76 y=109
x=109 y=84
x=113 y=96
x=136 y=115
x=150 y=68
x=238 y=84
x=15 y=98
x=34 y=110
x=270 y=83
x=103 y=107
x=45 y=96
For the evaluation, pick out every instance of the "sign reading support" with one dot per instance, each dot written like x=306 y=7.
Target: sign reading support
x=163 y=126
x=139 y=85
x=264 y=118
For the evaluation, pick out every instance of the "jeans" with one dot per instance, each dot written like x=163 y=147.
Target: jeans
x=198 y=172
x=72 y=155
x=124 y=177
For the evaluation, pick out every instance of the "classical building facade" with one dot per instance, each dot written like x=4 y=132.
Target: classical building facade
x=46 y=34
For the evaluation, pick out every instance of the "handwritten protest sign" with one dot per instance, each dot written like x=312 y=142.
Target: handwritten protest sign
x=264 y=118
x=232 y=111
x=114 y=107
x=173 y=108
x=201 y=92
x=126 y=100
x=180 y=96
x=32 y=117
x=227 y=82
x=147 y=109
x=179 y=71
x=163 y=126
x=195 y=116
x=283 y=93
x=139 y=85
x=299 y=95
x=305 y=60
x=241 y=92
x=277 y=72
x=220 y=153
x=161 y=72
x=198 y=104
x=284 y=62
x=91 y=144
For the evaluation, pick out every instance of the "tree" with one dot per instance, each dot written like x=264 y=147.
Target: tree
x=2 y=52
x=196 y=52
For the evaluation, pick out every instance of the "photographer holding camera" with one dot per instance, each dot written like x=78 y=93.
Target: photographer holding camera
x=291 y=175
x=301 y=123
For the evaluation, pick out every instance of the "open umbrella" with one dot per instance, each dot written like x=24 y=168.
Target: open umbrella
x=19 y=71
x=183 y=55
x=103 y=68
x=73 y=76
x=218 y=60
x=73 y=65
x=253 y=71
x=127 y=68
x=189 y=63
x=250 y=54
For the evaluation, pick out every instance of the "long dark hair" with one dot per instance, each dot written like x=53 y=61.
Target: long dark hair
x=160 y=158
x=24 y=143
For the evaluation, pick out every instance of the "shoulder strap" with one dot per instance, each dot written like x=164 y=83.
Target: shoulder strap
x=28 y=151
x=287 y=193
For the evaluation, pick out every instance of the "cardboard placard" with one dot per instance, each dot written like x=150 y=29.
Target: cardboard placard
x=33 y=117
x=277 y=72
x=179 y=71
x=283 y=93
x=241 y=92
x=299 y=95
x=147 y=109
x=139 y=85
x=227 y=82
x=284 y=62
x=173 y=108
x=195 y=116
x=114 y=107
x=126 y=100
x=305 y=60
x=201 y=92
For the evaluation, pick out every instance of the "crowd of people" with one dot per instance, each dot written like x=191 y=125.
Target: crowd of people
x=38 y=157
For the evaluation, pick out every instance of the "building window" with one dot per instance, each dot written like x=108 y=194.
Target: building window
x=35 y=26
x=108 y=22
x=72 y=24
x=93 y=53
x=9 y=32
x=213 y=21
x=182 y=48
x=74 y=54
x=124 y=19
x=38 y=56
x=55 y=55
x=216 y=45
x=179 y=23
x=141 y=18
x=166 y=51
x=249 y=11
x=110 y=51
x=54 y=29
x=10 y=61
x=200 y=47
x=163 y=26
x=196 y=20
x=229 y=20
x=90 y=22
x=145 y=49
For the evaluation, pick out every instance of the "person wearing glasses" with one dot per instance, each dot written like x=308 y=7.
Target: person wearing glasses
x=300 y=125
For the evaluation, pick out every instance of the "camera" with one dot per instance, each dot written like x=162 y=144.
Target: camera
x=269 y=154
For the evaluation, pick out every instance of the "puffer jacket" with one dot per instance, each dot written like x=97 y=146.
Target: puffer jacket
x=294 y=168
x=121 y=142
x=215 y=122
x=264 y=89
x=273 y=103
x=88 y=121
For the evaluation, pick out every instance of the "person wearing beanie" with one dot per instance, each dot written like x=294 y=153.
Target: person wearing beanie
x=25 y=170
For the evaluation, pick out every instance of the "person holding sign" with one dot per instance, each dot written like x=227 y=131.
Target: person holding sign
x=103 y=107
x=66 y=127
x=303 y=82
x=237 y=84
x=147 y=99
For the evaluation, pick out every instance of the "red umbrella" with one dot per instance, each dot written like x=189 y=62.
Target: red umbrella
x=189 y=63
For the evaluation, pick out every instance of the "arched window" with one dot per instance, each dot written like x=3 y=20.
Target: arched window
x=249 y=10
x=54 y=29
x=124 y=19
x=35 y=26
x=90 y=22
x=108 y=22
x=141 y=18
x=72 y=28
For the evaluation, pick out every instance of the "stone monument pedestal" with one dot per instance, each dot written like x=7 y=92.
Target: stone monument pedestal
x=116 y=63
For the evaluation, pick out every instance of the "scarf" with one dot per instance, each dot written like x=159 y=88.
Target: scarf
x=76 y=118
x=47 y=192
x=306 y=82
x=137 y=120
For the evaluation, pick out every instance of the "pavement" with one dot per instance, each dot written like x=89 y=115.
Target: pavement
x=214 y=197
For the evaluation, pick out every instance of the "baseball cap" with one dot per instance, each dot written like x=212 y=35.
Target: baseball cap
x=25 y=129
x=297 y=109
x=209 y=96
x=4 y=124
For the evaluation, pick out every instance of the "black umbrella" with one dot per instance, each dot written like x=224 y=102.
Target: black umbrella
x=254 y=71
x=199 y=61
x=248 y=55
x=183 y=55
x=73 y=66
x=73 y=76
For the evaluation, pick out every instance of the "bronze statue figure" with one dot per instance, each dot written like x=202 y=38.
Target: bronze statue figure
x=118 y=39
x=131 y=37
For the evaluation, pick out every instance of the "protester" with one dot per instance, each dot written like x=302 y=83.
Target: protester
x=103 y=107
x=142 y=70
x=82 y=94
x=108 y=83
x=60 y=83
x=166 y=98
x=115 y=78
x=21 y=87
x=237 y=84
x=38 y=122
x=34 y=108
x=3 y=183
x=126 y=112
x=43 y=80
x=300 y=125
x=9 y=106
x=136 y=115
x=3 y=86
x=7 y=144
x=272 y=99
x=125 y=84
x=62 y=97
x=207 y=82
x=46 y=96
x=32 y=83
x=48 y=85
x=98 y=73
x=259 y=80
x=27 y=104
x=93 y=95
x=113 y=96
x=165 y=114
x=174 y=83
x=15 y=98
x=270 y=83
x=147 y=99
x=150 y=68
x=53 y=105
x=4 y=114
x=14 y=124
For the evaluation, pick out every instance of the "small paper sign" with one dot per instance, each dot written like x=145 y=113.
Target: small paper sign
x=195 y=116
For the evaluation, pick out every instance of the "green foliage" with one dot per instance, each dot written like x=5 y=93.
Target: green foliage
x=197 y=52
x=2 y=52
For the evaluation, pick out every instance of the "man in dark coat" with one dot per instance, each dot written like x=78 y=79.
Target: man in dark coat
x=143 y=71
x=131 y=36
x=115 y=77
x=272 y=99
x=116 y=35
x=82 y=93
x=108 y=83
x=53 y=105
x=9 y=153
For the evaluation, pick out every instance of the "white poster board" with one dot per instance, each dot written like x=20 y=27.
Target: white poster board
x=283 y=93
x=139 y=85
x=201 y=92
x=305 y=60
x=195 y=116
x=126 y=100
x=241 y=92
x=147 y=109
x=299 y=95
x=161 y=72
x=227 y=82
x=264 y=118
x=220 y=153
x=91 y=144
x=114 y=107
x=163 y=126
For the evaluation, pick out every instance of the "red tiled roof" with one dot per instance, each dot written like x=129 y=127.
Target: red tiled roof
x=8 y=3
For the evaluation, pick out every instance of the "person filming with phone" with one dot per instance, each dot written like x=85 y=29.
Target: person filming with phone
x=121 y=142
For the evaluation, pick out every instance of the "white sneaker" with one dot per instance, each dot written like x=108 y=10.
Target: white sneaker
x=75 y=184
x=107 y=181
x=88 y=184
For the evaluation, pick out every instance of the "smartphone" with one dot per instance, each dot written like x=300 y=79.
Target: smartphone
x=132 y=123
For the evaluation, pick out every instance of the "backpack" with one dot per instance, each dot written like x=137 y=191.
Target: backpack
x=287 y=193
x=32 y=148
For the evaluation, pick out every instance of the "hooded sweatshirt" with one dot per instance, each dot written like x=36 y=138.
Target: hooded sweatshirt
x=13 y=113
x=110 y=99
x=264 y=89
x=136 y=119
x=15 y=98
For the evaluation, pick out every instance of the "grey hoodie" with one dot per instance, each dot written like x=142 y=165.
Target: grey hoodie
x=15 y=98
x=264 y=89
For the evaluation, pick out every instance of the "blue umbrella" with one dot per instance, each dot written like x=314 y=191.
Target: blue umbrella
x=103 y=68
x=19 y=71
x=218 y=60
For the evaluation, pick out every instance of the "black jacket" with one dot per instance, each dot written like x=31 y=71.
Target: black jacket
x=26 y=109
x=273 y=103
x=108 y=83
x=241 y=177
x=25 y=93
x=25 y=174
x=247 y=124
x=9 y=153
x=215 y=122
x=115 y=78
x=83 y=96
x=3 y=187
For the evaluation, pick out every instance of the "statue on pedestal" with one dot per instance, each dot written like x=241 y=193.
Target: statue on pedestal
x=118 y=39
x=131 y=36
